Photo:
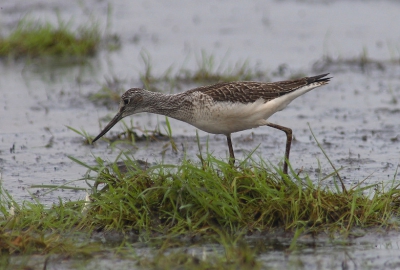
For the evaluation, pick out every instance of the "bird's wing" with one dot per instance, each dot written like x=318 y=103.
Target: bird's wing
x=247 y=92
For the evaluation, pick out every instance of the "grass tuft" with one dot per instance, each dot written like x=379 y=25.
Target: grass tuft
x=214 y=202
x=177 y=199
x=33 y=39
x=30 y=227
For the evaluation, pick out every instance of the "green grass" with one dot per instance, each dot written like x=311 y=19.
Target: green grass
x=109 y=94
x=186 y=198
x=129 y=135
x=208 y=70
x=212 y=201
x=36 y=39
x=33 y=39
x=363 y=62
x=87 y=138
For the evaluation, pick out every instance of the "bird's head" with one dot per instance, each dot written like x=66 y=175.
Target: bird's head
x=131 y=102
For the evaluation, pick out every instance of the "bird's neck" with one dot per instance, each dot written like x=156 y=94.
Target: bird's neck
x=165 y=104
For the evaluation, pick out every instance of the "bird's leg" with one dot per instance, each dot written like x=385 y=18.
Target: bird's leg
x=288 y=132
x=231 y=154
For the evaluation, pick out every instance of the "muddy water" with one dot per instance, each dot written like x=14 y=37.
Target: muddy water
x=355 y=117
x=378 y=250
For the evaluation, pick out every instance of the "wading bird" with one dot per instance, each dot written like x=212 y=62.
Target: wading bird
x=222 y=108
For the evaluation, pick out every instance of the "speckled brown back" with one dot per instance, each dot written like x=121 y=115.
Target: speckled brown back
x=246 y=92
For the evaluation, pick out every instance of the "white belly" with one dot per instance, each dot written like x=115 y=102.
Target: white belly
x=226 y=117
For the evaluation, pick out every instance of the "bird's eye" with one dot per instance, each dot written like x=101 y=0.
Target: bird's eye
x=126 y=101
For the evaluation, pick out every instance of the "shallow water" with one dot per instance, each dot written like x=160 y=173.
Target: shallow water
x=368 y=250
x=355 y=117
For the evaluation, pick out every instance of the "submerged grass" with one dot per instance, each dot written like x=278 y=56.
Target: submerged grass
x=233 y=255
x=363 y=62
x=208 y=70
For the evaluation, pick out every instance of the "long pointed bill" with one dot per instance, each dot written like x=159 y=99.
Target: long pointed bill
x=109 y=126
